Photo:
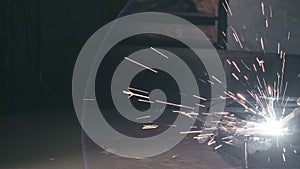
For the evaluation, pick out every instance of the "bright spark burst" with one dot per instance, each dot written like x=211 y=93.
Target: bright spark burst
x=266 y=103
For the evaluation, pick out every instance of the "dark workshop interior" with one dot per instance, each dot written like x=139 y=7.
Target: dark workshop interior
x=257 y=42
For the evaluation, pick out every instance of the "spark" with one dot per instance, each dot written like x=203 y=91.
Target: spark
x=222 y=98
x=283 y=157
x=212 y=140
x=224 y=34
x=282 y=72
x=236 y=37
x=228 y=61
x=219 y=146
x=88 y=99
x=259 y=83
x=130 y=94
x=216 y=79
x=236 y=66
x=143 y=117
x=203 y=81
x=191 y=132
x=284 y=91
x=157 y=51
x=212 y=83
x=246 y=66
x=198 y=97
x=230 y=95
x=137 y=63
x=265 y=84
x=235 y=76
x=224 y=41
x=227 y=7
x=228 y=137
x=289 y=35
x=262 y=44
x=229 y=10
x=261 y=64
x=262 y=8
x=270 y=90
x=200 y=137
x=138 y=90
x=150 y=126
x=241 y=96
x=174 y=156
x=171 y=125
x=215 y=113
x=145 y=101
x=204 y=135
x=281 y=54
x=254 y=67
x=174 y=104
x=189 y=115
x=271 y=11
x=288 y=117
x=278 y=87
x=229 y=142
x=220 y=46
x=210 y=128
x=199 y=105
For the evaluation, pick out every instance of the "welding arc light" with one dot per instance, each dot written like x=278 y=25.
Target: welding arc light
x=272 y=128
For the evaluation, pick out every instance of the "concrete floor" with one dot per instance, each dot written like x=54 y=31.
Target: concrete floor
x=52 y=140
x=40 y=139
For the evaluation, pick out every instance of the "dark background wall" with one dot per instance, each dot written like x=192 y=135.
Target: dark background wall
x=40 y=41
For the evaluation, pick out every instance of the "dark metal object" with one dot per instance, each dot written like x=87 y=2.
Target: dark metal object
x=197 y=19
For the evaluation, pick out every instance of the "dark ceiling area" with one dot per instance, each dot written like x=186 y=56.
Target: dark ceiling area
x=40 y=42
